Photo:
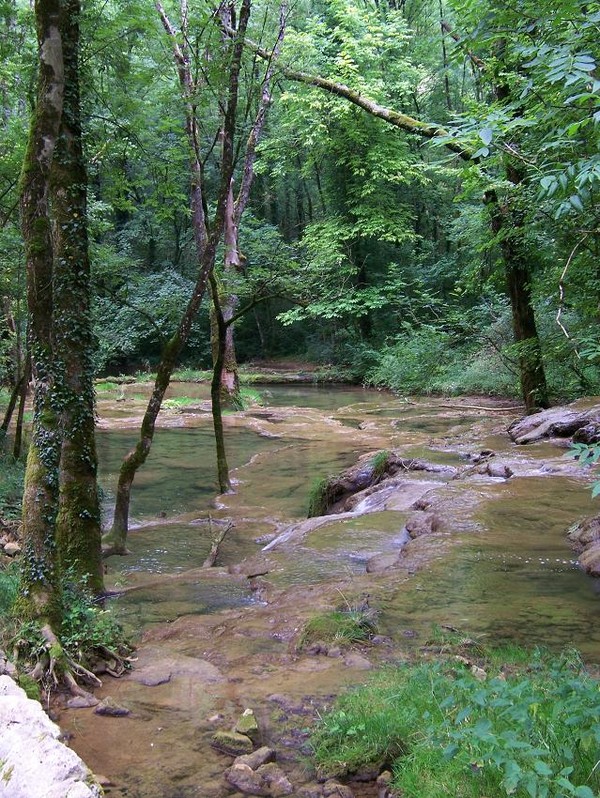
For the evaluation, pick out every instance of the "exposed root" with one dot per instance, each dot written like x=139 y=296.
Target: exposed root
x=61 y=668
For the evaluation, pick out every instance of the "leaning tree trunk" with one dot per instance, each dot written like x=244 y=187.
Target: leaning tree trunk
x=115 y=541
x=40 y=596
x=78 y=531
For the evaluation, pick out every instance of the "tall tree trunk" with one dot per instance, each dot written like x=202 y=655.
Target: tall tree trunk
x=115 y=541
x=216 y=393
x=224 y=305
x=18 y=439
x=78 y=530
x=41 y=594
x=508 y=224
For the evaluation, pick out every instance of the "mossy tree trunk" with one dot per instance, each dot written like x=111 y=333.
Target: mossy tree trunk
x=41 y=595
x=115 y=541
x=78 y=530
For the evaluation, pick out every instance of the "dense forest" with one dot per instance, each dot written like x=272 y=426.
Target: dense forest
x=402 y=193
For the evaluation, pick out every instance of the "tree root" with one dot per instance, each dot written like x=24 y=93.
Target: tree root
x=61 y=668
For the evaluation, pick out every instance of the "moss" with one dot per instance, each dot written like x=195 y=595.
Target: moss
x=320 y=497
x=31 y=687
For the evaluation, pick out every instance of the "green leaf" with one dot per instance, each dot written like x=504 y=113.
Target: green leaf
x=486 y=134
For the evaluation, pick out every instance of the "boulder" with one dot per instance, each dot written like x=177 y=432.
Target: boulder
x=11 y=549
x=557 y=422
x=34 y=763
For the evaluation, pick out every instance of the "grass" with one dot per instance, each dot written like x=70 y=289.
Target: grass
x=320 y=496
x=530 y=728
x=343 y=627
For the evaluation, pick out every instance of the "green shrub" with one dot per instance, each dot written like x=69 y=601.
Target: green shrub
x=530 y=732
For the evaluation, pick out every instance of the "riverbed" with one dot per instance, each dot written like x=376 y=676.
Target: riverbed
x=214 y=642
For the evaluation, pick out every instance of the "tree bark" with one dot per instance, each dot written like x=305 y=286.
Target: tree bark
x=41 y=588
x=216 y=386
x=78 y=530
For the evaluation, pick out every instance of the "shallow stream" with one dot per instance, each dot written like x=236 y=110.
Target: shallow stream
x=502 y=568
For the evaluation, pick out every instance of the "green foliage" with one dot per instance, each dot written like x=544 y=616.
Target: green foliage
x=531 y=732
x=88 y=628
x=9 y=587
x=11 y=485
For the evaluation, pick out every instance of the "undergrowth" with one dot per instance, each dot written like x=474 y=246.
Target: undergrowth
x=529 y=730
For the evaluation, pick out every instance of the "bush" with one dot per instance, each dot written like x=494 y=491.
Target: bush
x=530 y=732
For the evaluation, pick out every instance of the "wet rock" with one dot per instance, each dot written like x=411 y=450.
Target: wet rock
x=382 y=562
x=310 y=791
x=110 y=708
x=558 y=422
x=357 y=661
x=246 y=780
x=333 y=789
x=590 y=559
x=423 y=523
x=585 y=533
x=590 y=433
x=286 y=702
x=257 y=758
x=11 y=549
x=82 y=701
x=277 y=782
x=585 y=537
x=247 y=724
x=231 y=742
x=384 y=788
x=498 y=470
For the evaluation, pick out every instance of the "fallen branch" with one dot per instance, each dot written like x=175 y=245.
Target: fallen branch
x=214 y=549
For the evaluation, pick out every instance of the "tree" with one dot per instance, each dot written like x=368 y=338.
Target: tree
x=206 y=240
x=61 y=519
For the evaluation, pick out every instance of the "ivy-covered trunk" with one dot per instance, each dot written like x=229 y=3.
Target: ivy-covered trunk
x=41 y=586
x=78 y=531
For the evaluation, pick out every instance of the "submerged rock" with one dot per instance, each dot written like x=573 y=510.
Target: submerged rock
x=233 y=743
x=247 y=724
x=257 y=758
